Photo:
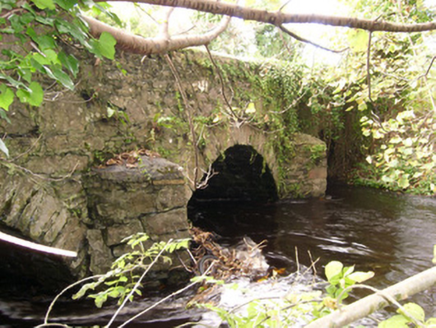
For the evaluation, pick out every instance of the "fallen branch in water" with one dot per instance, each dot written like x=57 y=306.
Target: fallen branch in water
x=35 y=246
x=367 y=305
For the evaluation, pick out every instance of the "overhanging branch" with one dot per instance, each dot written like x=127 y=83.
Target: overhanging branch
x=146 y=46
x=279 y=18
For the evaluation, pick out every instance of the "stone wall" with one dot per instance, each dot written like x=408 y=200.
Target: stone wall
x=54 y=193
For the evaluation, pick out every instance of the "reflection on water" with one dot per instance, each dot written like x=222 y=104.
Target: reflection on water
x=392 y=235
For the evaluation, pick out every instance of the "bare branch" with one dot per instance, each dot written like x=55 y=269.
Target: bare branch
x=146 y=46
x=278 y=18
x=232 y=112
x=299 y=38
x=368 y=75
x=165 y=34
x=428 y=69
x=189 y=113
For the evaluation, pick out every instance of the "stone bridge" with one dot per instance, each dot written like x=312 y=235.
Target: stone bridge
x=57 y=186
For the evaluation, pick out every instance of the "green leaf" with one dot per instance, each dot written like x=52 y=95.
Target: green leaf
x=403 y=182
x=36 y=95
x=100 y=299
x=51 y=56
x=83 y=290
x=359 y=276
x=107 y=45
x=43 y=4
x=6 y=97
x=74 y=30
x=33 y=95
x=66 y=4
x=397 y=321
x=45 y=42
x=333 y=269
x=60 y=76
x=358 y=40
x=413 y=310
x=70 y=62
x=348 y=270
x=3 y=148
x=110 y=113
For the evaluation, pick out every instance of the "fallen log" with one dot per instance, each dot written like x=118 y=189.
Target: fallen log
x=377 y=301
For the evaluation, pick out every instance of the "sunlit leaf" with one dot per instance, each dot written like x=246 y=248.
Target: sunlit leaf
x=57 y=74
x=412 y=310
x=397 y=321
x=333 y=269
x=403 y=182
x=359 y=276
x=6 y=97
x=250 y=108
x=3 y=148
x=358 y=40
x=66 y=4
x=107 y=45
x=33 y=96
x=43 y=4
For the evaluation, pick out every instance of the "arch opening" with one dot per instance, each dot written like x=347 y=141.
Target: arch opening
x=243 y=184
x=240 y=175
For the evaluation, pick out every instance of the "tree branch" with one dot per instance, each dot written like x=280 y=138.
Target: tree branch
x=377 y=301
x=278 y=18
x=299 y=38
x=147 y=46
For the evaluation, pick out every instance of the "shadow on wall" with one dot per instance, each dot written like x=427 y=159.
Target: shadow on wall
x=240 y=175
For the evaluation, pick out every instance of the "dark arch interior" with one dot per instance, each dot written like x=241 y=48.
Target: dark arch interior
x=242 y=180
x=242 y=175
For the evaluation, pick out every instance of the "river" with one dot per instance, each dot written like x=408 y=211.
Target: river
x=388 y=233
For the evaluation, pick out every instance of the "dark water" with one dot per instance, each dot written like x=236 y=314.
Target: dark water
x=392 y=235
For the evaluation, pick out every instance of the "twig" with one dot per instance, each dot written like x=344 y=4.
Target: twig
x=164 y=33
x=209 y=174
x=285 y=43
x=164 y=299
x=63 y=291
x=127 y=298
x=368 y=74
x=299 y=38
x=428 y=69
x=2 y=162
x=297 y=259
x=313 y=264
x=28 y=150
x=231 y=111
x=52 y=325
x=254 y=299
x=189 y=113
x=284 y=5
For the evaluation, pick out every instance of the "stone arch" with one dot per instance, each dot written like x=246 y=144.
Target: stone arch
x=220 y=139
x=240 y=174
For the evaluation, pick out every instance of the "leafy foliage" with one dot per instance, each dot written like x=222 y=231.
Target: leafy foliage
x=405 y=159
x=124 y=277
x=36 y=35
